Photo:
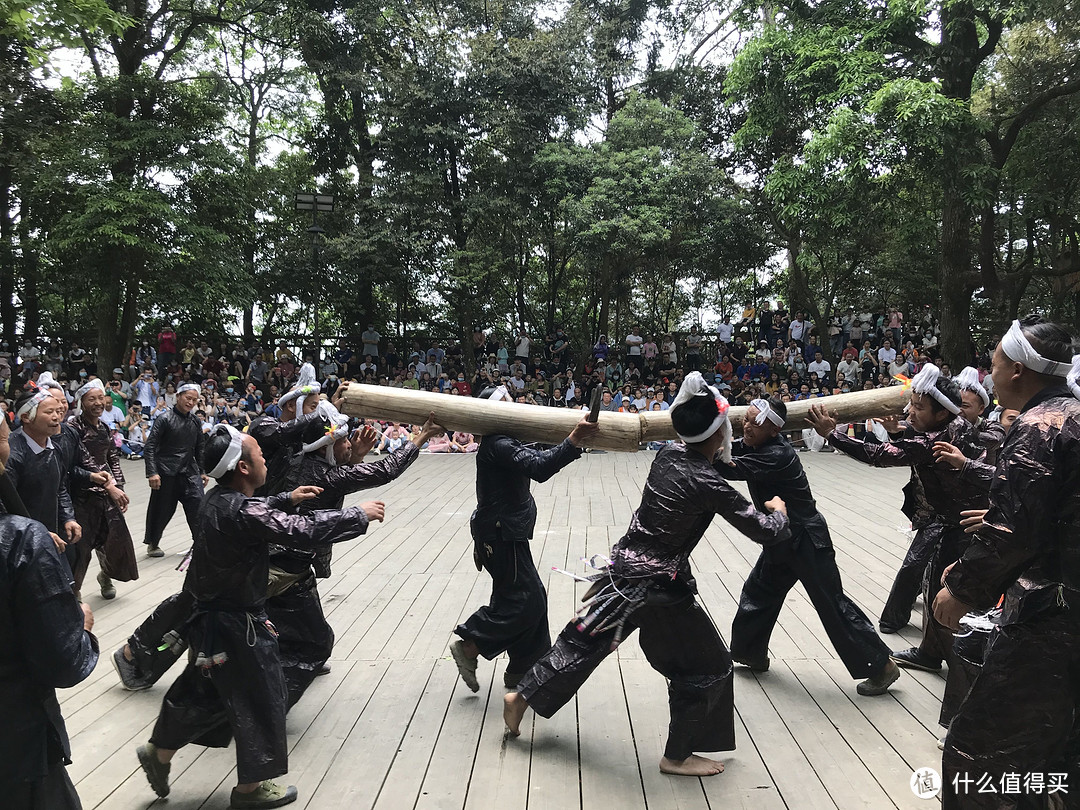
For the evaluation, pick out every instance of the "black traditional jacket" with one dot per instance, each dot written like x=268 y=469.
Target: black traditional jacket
x=41 y=480
x=682 y=493
x=96 y=452
x=230 y=560
x=937 y=492
x=504 y=469
x=43 y=647
x=279 y=442
x=1029 y=548
x=774 y=469
x=175 y=445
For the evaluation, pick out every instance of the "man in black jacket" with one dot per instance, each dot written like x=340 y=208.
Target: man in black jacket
x=771 y=467
x=515 y=618
x=171 y=455
x=45 y=644
x=233 y=685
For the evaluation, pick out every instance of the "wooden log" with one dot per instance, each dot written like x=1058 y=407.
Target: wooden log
x=618 y=431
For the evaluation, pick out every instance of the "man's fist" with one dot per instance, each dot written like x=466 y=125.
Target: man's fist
x=375 y=510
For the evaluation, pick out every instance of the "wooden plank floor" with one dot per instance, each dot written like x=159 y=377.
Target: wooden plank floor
x=392 y=727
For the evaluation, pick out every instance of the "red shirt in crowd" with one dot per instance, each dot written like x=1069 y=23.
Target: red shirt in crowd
x=167 y=341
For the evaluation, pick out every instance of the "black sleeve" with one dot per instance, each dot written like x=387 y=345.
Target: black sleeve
x=150 y=448
x=539 y=465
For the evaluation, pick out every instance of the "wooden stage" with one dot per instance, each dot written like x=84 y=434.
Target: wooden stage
x=393 y=727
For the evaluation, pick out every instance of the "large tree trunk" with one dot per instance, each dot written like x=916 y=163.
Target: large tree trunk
x=8 y=313
x=957 y=281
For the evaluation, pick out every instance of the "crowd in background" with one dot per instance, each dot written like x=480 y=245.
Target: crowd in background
x=768 y=351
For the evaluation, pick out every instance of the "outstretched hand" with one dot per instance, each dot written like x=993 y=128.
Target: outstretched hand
x=584 y=431
x=363 y=442
x=821 y=420
x=972 y=520
x=304 y=493
x=890 y=423
x=375 y=510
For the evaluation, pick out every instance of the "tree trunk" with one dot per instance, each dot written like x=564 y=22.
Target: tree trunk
x=8 y=312
x=956 y=279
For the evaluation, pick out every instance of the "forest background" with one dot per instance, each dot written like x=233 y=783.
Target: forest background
x=591 y=163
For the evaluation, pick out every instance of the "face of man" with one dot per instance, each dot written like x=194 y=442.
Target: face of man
x=62 y=401
x=971 y=406
x=186 y=401
x=923 y=416
x=311 y=402
x=47 y=420
x=93 y=404
x=255 y=465
x=1004 y=372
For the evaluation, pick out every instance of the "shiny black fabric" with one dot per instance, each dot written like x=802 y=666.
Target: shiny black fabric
x=41 y=481
x=515 y=619
x=682 y=493
x=43 y=647
x=175 y=490
x=969 y=652
x=54 y=792
x=103 y=526
x=230 y=560
x=936 y=492
x=681 y=643
x=1021 y=711
x=934 y=497
x=280 y=443
x=161 y=639
x=771 y=470
x=245 y=697
x=504 y=469
x=305 y=638
x=174 y=446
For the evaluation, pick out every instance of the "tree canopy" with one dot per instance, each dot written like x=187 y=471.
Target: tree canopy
x=594 y=165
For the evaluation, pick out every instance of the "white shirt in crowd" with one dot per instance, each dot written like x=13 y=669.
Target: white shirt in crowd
x=724 y=332
x=798 y=330
x=370 y=340
x=822 y=367
x=112 y=417
x=523 y=347
x=633 y=344
x=849 y=368
x=886 y=355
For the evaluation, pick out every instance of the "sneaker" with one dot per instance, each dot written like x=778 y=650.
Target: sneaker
x=323 y=670
x=889 y=629
x=753 y=666
x=157 y=773
x=154 y=551
x=108 y=590
x=466 y=665
x=131 y=677
x=880 y=683
x=268 y=794
x=913 y=658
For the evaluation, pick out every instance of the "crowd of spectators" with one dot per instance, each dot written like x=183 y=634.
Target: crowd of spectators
x=769 y=351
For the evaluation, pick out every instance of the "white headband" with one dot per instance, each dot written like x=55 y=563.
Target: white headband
x=306 y=384
x=925 y=382
x=232 y=453
x=88 y=387
x=45 y=380
x=338 y=428
x=968 y=380
x=765 y=411
x=187 y=387
x=694 y=385
x=29 y=410
x=1017 y=348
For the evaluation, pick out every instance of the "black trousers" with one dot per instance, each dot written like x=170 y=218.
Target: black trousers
x=152 y=646
x=969 y=652
x=909 y=579
x=775 y=573
x=1018 y=718
x=174 y=489
x=54 y=792
x=515 y=619
x=305 y=638
x=245 y=697
x=937 y=640
x=682 y=644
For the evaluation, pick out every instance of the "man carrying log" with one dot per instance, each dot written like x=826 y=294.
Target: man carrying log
x=515 y=618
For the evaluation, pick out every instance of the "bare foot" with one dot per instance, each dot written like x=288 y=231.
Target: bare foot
x=693 y=765
x=514 y=707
